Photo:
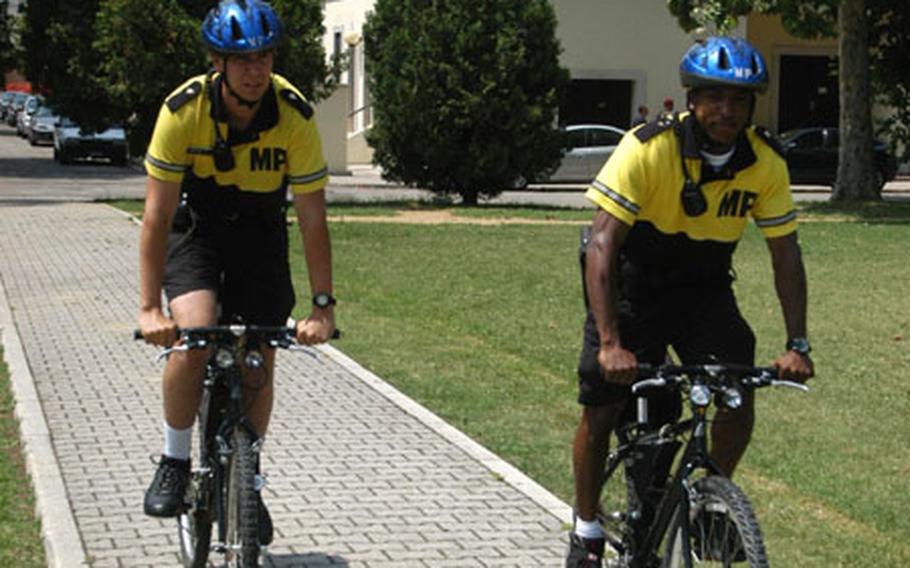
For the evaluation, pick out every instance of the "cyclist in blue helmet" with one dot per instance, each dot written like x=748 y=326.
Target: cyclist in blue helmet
x=672 y=202
x=227 y=149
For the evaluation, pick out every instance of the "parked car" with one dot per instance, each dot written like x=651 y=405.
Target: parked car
x=6 y=97
x=812 y=156
x=588 y=146
x=41 y=127
x=14 y=106
x=72 y=142
x=24 y=116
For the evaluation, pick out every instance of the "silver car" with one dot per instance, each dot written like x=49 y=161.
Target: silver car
x=72 y=142
x=24 y=116
x=41 y=128
x=588 y=148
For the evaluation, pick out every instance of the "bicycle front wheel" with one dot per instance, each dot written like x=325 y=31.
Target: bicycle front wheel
x=194 y=525
x=242 y=510
x=722 y=529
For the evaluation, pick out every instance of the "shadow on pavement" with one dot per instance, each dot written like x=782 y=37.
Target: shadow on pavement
x=46 y=168
x=304 y=560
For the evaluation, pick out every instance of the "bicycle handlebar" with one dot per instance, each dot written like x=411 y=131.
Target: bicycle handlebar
x=237 y=330
x=662 y=376
x=200 y=337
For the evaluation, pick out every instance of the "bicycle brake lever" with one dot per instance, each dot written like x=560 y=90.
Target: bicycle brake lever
x=303 y=348
x=169 y=350
x=648 y=383
x=789 y=384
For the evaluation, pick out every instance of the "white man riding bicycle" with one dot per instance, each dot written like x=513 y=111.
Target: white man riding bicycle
x=673 y=201
x=226 y=148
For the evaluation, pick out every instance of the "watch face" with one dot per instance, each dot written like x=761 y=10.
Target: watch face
x=323 y=300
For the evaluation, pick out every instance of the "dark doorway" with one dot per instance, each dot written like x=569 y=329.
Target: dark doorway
x=598 y=101
x=809 y=94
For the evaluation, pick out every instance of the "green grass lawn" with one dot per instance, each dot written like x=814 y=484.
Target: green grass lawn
x=20 y=532
x=482 y=325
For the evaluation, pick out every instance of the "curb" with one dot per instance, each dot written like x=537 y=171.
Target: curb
x=62 y=543
x=499 y=467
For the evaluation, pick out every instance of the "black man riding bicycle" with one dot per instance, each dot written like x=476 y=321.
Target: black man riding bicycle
x=673 y=201
x=227 y=147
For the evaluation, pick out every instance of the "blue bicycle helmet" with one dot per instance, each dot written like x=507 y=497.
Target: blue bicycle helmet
x=723 y=61
x=241 y=26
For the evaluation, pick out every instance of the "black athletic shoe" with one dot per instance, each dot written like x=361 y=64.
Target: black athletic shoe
x=266 y=531
x=585 y=553
x=165 y=496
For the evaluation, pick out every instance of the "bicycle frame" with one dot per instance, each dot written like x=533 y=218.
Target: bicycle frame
x=695 y=457
x=636 y=437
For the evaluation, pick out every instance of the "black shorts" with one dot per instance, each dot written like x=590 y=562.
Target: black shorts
x=245 y=263
x=700 y=327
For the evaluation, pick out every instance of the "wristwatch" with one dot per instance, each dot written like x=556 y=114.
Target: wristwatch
x=324 y=300
x=799 y=344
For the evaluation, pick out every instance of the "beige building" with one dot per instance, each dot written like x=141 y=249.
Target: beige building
x=621 y=54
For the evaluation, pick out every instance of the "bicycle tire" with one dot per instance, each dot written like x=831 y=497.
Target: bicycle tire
x=717 y=507
x=242 y=509
x=194 y=526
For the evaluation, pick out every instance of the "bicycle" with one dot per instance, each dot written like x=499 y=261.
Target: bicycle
x=654 y=519
x=223 y=486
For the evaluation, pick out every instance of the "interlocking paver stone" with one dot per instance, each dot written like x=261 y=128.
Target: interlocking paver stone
x=354 y=478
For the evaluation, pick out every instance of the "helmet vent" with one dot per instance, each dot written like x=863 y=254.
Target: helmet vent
x=265 y=24
x=723 y=59
x=236 y=30
x=755 y=65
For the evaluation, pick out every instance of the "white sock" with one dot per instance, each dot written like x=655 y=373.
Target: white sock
x=588 y=529
x=177 y=442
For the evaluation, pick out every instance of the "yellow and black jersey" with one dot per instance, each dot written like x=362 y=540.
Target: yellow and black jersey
x=641 y=185
x=280 y=149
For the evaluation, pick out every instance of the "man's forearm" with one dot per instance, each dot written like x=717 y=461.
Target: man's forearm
x=790 y=283
x=317 y=249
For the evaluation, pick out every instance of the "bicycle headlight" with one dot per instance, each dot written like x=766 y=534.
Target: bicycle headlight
x=224 y=358
x=700 y=395
x=733 y=399
x=254 y=360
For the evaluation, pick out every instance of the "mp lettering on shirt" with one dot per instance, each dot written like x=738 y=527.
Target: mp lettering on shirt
x=736 y=203
x=272 y=159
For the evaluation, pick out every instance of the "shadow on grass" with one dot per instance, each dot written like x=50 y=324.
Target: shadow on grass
x=893 y=211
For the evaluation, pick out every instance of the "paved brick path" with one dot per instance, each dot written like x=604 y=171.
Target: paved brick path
x=358 y=475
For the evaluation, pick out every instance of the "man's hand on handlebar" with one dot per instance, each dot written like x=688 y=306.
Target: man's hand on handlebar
x=156 y=328
x=793 y=366
x=618 y=364
x=318 y=328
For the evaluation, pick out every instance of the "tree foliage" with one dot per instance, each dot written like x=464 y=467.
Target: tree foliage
x=7 y=53
x=465 y=92
x=106 y=61
x=887 y=39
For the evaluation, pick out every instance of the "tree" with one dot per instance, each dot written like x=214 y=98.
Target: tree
x=147 y=49
x=857 y=177
x=59 y=59
x=109 y=61
x=850 y=21
x=7 y=51
x=464 y=92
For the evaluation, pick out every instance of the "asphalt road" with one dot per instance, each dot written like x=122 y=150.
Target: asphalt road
x=29 y=173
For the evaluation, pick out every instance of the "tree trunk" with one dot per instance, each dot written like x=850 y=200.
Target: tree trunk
x=857 y=174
